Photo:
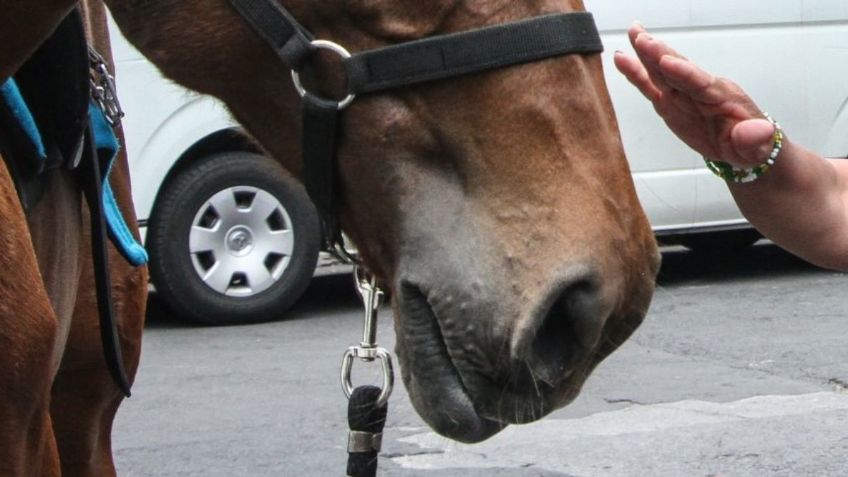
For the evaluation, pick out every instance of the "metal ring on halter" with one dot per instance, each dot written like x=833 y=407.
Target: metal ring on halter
x=335 y=48
x=369 y=354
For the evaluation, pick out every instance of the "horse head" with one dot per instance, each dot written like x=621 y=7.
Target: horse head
x=498 y=207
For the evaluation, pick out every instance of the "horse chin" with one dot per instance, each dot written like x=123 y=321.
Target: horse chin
x=435 y=385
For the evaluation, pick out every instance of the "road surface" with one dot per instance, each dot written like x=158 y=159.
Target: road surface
x=739 y=370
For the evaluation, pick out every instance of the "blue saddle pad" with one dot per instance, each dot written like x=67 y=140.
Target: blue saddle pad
x=119 y=232
x=17 y=106
x=106 y=143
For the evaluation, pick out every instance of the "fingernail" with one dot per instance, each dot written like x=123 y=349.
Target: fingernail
x=619 y=52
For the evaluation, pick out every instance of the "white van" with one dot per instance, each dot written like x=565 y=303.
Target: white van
x=192 y=168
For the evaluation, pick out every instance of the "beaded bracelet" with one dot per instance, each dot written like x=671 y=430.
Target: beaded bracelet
x=732 y=174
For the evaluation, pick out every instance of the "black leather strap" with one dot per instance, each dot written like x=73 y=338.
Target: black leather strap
x=320 y=134
x=457 y=54
x=278 y=28
x=91 y=171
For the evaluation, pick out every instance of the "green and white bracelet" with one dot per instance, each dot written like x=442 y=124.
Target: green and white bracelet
x=732 y=174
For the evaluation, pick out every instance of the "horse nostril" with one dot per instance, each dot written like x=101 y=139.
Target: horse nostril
x=565 y=334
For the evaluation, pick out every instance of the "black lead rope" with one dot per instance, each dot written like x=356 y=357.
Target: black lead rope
x=366 y=418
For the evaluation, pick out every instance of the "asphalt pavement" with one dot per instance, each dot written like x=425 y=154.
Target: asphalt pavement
x=739 y=370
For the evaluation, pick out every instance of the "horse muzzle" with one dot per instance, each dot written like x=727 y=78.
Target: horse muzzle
x=474 y=361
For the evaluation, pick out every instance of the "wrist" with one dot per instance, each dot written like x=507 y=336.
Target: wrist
x=741 y=175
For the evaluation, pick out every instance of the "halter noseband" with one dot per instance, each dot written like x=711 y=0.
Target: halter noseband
x=381 y=69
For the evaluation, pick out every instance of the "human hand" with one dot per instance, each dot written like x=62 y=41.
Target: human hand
x=712 y=115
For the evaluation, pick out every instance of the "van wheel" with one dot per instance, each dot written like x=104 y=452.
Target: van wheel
x=233 y=239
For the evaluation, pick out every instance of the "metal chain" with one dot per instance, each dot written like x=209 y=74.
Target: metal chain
x=103 y=90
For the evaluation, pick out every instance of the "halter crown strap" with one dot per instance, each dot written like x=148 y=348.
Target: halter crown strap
x=278 y=28
x=457 y=54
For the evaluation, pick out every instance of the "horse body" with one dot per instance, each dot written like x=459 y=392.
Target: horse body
x=58 y=398
x=498 y=207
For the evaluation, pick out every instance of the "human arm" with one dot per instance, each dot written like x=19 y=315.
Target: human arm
x=801 y=203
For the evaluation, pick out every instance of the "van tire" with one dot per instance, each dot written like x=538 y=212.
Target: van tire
x=185 y=208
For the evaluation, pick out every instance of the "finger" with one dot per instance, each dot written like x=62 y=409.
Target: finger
x=648 y=45
x=650 y=51
x=685 y=76
x=639 y=38
x=636 y=73
x=634 y=31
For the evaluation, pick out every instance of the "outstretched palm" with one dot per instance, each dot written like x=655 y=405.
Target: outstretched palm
x=712 y=115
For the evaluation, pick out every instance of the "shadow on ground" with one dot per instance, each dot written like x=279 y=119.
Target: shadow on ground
x=682 y=266
x=325 y=293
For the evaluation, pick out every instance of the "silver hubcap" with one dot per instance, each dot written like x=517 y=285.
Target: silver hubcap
x=241 y=241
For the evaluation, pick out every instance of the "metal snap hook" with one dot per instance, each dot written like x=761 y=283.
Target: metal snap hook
x=368 y=351
x=335 y=48
x=372 y=298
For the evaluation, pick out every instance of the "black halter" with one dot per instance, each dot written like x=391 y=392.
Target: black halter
x=405 y=64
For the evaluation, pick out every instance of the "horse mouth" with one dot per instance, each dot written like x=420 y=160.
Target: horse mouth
x=434 y=382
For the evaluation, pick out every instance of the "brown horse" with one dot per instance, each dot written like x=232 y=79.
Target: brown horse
x=498 y=207
x=58 y=399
